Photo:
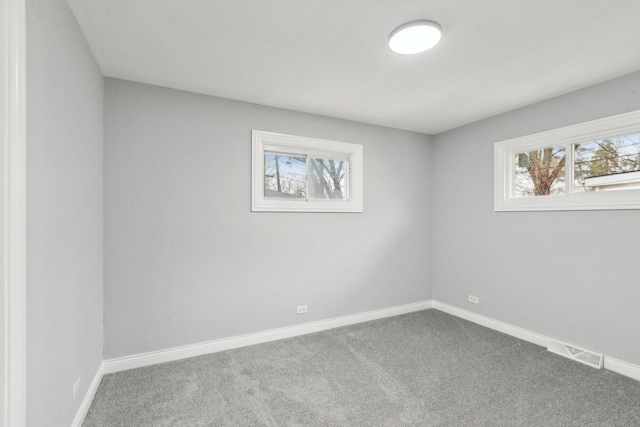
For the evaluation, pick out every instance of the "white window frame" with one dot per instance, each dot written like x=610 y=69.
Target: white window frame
x=268 y=142
x=504 y=164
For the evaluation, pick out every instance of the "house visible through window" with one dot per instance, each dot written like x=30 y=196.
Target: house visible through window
x=608 y=164
x=564 y=168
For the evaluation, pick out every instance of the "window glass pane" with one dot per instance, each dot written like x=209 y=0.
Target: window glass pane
x=285 y=176
x=540 y=172
x=328 y=179
x=608 y=164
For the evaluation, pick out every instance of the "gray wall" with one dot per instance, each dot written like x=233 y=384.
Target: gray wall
x=573 y=276
x=186 y=261
x=64 y=214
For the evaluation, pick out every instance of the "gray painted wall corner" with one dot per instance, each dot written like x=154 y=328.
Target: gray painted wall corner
x=568 y=275
x=64 y=214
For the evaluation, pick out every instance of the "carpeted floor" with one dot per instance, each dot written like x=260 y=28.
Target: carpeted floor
x=420 y=369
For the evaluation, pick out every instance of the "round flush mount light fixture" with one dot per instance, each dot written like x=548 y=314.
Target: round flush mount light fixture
x=415 y=37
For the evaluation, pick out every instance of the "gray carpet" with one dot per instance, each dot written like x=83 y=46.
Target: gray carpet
x=420 y=369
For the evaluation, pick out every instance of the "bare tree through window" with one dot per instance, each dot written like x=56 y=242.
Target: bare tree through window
x=286 y=177
x=327 y=179
x=540 y=172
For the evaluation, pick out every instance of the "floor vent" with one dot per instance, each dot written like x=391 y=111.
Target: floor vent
x=578 y=354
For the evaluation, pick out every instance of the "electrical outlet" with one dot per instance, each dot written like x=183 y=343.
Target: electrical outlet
x=76 y=387
x=474 y=300
x=301 y=309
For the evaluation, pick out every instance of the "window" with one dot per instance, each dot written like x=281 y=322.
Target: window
x=298 y=174
x=592 y=165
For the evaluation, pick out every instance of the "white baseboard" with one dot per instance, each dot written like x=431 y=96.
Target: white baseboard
x=622 y=368
x=614 y=365
x=88 y=397
x=490 y=323
x=177 y=353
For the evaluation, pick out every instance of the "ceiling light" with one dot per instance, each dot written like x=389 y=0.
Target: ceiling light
x=415 y=37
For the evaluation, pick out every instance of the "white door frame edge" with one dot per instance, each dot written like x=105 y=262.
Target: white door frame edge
x=14 y=216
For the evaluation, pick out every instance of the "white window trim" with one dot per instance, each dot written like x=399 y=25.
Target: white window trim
x=505 y=151
x=274 y=142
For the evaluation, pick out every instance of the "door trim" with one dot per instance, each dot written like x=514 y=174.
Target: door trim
x=14 y=215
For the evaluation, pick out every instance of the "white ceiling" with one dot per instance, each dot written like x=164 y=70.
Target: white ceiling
x=330 y=57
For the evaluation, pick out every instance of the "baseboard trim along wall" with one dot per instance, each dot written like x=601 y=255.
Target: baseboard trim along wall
x=622 y=368
x=614 y=365
x=88 y=397
x=177 y=353
x=490 y=323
